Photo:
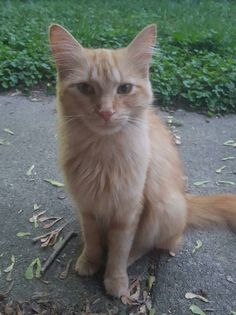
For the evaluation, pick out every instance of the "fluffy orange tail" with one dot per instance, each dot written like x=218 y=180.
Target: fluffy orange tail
x=213 y=209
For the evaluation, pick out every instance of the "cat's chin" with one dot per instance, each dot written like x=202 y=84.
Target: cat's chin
x=105 y=128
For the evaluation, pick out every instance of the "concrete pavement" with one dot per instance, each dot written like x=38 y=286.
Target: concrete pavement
x=210 y=271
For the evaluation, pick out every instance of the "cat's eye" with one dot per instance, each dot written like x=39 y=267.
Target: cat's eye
x=125 y=88
x=85 y=88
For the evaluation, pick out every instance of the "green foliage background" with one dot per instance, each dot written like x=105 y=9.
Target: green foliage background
x=194 y=63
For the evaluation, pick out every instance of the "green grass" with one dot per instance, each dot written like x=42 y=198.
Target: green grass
x=194 y=64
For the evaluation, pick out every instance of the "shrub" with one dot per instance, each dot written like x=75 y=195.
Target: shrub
x=194 y=63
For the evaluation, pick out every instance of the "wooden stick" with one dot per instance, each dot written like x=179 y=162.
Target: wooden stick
x=57 y=251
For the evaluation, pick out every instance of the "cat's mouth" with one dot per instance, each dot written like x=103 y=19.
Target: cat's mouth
x=109 y=126
x=111 y=123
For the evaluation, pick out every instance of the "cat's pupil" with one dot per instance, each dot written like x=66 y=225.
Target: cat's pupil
x=85 y=88
x=124 y=88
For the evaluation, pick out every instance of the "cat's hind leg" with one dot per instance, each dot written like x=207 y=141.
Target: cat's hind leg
x=145 y=236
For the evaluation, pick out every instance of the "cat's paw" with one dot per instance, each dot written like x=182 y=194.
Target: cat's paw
x=117 y=285
x=85 y=267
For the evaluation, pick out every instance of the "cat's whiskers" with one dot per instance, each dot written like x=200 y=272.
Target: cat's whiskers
x=69 y=119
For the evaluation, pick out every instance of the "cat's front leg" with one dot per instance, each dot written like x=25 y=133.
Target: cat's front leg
x=120 y=238
x=90 y=260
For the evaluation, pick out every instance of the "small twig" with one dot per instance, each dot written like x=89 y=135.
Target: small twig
x=57 y=250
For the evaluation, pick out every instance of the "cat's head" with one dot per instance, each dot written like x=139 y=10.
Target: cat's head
x=105 y=89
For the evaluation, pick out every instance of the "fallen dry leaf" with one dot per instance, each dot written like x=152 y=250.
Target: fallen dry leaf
x=35 y=217
x=127 y=300
x=16 y=93
x=22 y=234
x=190 y=296
x=231 y=143
x=4 y=142
x=34 y=269
x=9 y=276
x=36 y=207
x=228 y=158
x=50 y=238
x=201 y=183
x=132 y=298
x=219 y=170
x=8 y=131
x=177 y=139
x=37 y=238
x=11 y=266
x=225 y=182
x=18 y=310
x=35 y=99
x=29 y=172
x=151 y=280
x=196 y=310
x=54 y=182
x=197 y=246
x=8 y=310
x=148 y=302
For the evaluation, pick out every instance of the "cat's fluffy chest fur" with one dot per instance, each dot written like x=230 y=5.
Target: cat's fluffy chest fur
x=103 y=171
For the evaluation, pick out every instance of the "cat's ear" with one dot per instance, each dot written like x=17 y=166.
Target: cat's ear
x=141 y=48
x=65 y=48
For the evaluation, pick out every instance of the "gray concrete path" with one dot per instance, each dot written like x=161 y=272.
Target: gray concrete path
x=210 y=271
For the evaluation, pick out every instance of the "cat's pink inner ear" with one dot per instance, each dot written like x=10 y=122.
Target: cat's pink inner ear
x=141 y=48
x=60 y=39
x=64 y=46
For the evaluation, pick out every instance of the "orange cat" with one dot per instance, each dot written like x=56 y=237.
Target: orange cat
x=118 y=160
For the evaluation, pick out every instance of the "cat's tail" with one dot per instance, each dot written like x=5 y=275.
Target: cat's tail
x=213 y=209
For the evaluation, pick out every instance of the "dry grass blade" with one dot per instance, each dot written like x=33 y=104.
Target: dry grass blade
x=63 y=275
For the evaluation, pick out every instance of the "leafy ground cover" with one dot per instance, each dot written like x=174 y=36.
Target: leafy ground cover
x=194 y=63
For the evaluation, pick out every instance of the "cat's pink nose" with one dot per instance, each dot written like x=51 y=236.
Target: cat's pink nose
x=106 y=115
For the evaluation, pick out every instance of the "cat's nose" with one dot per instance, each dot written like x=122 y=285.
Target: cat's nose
x=106 y=115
